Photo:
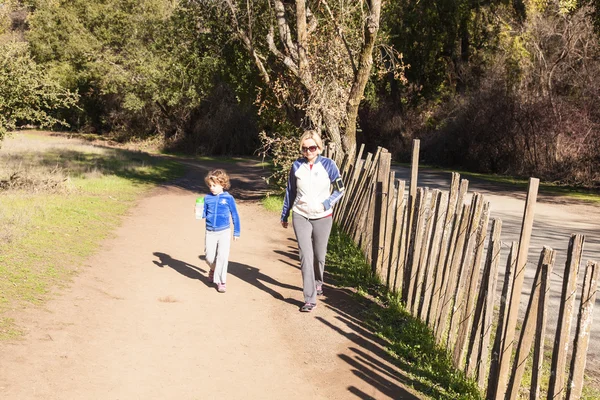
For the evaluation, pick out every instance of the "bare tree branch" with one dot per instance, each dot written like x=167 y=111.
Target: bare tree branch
x=243 y=36
x=286 y=60
x=340 y=32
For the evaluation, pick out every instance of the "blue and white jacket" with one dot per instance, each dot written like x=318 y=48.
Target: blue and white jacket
x=217 y=210
x=308 y=192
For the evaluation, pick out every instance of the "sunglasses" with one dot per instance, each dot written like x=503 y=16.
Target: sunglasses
x=312 y=149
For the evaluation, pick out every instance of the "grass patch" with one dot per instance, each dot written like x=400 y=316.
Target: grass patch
x=52 y=229
x=411 y=343
x=8 y=331
x=273 y=203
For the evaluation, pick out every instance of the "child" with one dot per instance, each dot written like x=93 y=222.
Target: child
x=218 y=207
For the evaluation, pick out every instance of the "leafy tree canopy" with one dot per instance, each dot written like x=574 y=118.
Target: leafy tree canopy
x=27 y=92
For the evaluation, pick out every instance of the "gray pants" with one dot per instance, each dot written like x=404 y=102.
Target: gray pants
x=312 y=236
x=216 y=248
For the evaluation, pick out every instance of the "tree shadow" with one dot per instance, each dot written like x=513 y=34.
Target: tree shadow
x=248 y=181
x=370 y=360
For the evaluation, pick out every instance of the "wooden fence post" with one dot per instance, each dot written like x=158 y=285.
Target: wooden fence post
x=409 y=268
x=399 y=248
x=471 y=278
x=449 y=290
x=414 y=167
x=513 y=310
x=420 y=247
x=498 y=340
x=540 y=335
x=556 y=387
x=380 y=208
x=438 y=217
x=451 y=246
x=478 y=351
x=359 y=203
x=582 y=332
x=412 y=193
x=441 y=272
x=388 y=244
x=529 y=324
x=464 y=271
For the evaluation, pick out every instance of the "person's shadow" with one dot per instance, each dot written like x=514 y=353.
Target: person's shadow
x=246 y=273
x=185 y=269
x=254 y=277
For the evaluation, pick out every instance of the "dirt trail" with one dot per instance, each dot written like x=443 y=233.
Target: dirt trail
x=140 y=321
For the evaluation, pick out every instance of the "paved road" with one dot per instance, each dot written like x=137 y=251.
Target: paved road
x=556 y=219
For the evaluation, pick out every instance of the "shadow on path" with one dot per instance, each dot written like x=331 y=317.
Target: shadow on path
x=185 y=269
x=246 y=273
x=247 y=178
x=369 y=360
x=254 y=277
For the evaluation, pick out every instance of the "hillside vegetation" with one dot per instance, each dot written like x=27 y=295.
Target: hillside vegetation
x=498 y=87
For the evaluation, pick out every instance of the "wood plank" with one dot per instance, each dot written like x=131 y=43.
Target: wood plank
x=413 y=251
x=414 y=166
x=540 y=334
x=515 y=301
x=422 y=245
x=465 y=265
x=529 y=325
x=390 y=228
x=380 y=210
x=449 y=290
x=498 y=339
x=395 y=265
x=460 y=348
x=556 y=387
x=456 y=215
x=582 y=332
x=478 y=349
x=400 y=283
x=441 y=271
x=441 y=202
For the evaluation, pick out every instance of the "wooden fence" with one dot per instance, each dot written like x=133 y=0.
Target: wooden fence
x=429 y=247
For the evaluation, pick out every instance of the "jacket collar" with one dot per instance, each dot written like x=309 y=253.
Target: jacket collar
x=317 y=160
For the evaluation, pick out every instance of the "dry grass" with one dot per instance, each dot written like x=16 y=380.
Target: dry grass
x=39 y=165
x=59 y=198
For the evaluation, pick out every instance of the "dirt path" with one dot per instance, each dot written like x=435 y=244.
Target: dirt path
x=140 y=321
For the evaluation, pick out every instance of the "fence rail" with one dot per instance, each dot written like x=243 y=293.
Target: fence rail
x=442 y=255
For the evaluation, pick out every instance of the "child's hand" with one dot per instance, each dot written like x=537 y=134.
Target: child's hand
x=284 y=224
x=236 y=238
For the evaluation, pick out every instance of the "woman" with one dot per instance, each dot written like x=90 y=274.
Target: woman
x=309 y=196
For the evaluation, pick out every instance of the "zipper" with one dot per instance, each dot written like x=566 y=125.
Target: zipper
x=216 y=212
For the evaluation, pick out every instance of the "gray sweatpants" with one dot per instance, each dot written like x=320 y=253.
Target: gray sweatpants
x=312 y=236
x=216 y=248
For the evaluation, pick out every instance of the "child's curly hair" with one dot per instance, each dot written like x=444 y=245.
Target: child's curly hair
x=218 y=176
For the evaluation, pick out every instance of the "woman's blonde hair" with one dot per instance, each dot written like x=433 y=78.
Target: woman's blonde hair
x=218 y=176
x=314 y=135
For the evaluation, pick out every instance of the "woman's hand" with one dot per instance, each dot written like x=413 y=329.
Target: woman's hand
x=284 y=224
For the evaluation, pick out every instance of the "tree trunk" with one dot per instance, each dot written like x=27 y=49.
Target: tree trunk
x=362 y=76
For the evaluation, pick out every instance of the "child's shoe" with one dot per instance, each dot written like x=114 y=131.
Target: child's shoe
x=221 y=288
x=211 y=276
x=319 y=290
x=308 y=307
